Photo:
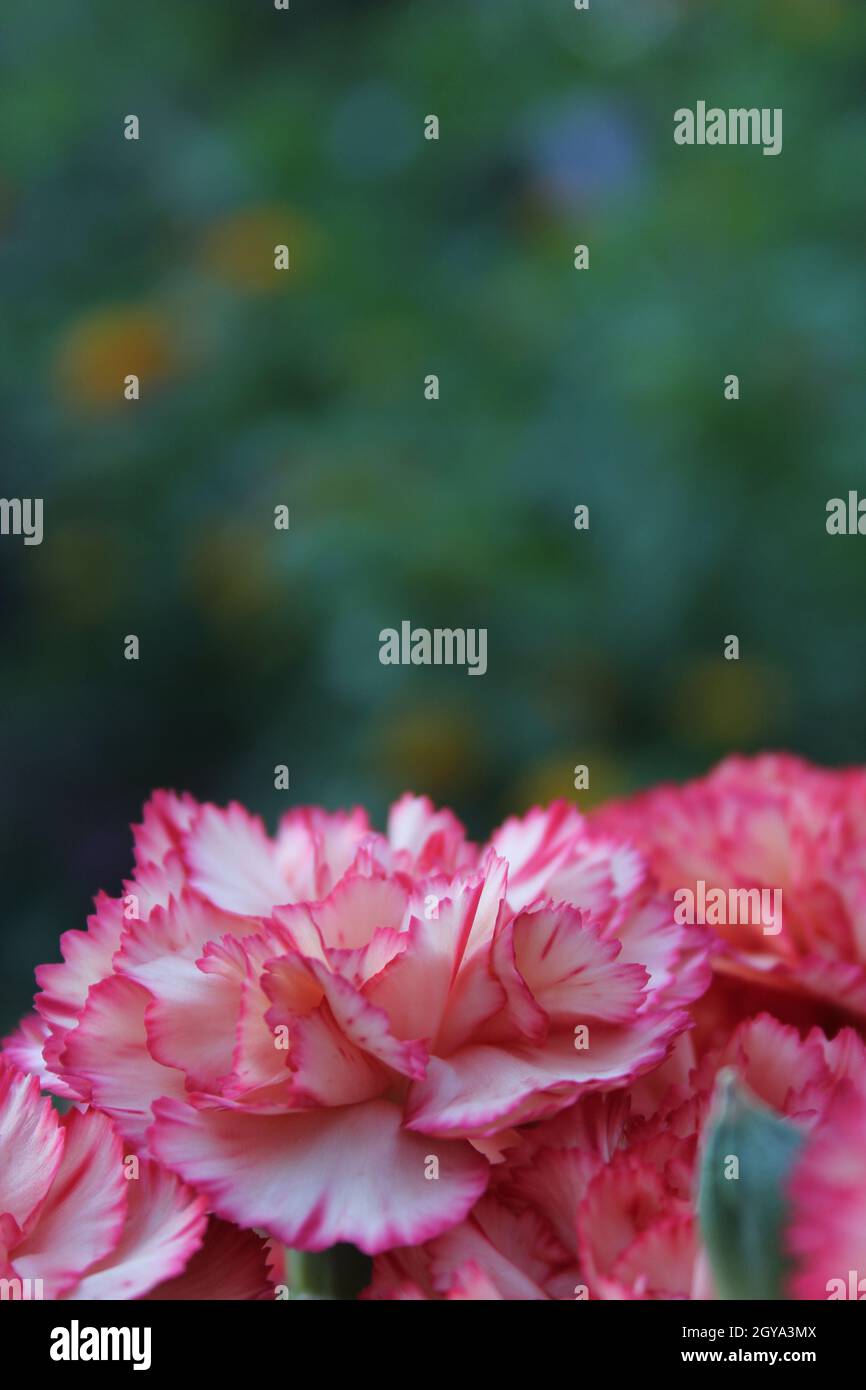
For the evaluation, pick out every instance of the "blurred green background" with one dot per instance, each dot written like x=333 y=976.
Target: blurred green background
x=558 y=387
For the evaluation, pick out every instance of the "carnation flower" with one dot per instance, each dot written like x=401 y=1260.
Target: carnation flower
x=73 y=1225
x=827 y=1234
x=599 y=1202
x=334 y=1033
x=769 y=823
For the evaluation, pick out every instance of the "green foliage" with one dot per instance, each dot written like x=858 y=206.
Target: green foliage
x=747 y=1158
x=602 y=387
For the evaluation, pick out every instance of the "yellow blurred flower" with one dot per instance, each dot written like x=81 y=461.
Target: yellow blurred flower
x=239 y=248
x=229 y=575
x=428 y=749
x=726 y=702
x=98 y=351
x=553 y=778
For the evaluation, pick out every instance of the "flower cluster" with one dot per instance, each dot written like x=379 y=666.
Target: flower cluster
x=771 y=823
x=489 y=1067
x=80 y=1219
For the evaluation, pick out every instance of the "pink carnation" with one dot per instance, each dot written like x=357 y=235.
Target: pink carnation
x=74 y=1226
x=599 y=1202
x=333 y=1033
x=770 y=822
x=827 y=1235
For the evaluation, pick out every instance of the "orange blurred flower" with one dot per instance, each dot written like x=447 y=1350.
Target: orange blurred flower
x=98 y=351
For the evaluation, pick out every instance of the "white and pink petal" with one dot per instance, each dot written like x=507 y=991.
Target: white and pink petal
x=317 y=1178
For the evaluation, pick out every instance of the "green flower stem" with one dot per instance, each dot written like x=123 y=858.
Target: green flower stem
x=339 y=1273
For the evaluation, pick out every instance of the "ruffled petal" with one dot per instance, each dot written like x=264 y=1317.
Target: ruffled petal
x=232 y=862
x=87 y=957
x=318 y=1178
x=231 y=1264
x=482 y=1088
x=25 y=1047
x=82 y=1219
x=357 y=908
x=164 y=1228
x=315 y=847
x=435 y=841
x=108 y=1052
x=165 y=819
x=363 y=1023
x=31 y=1144
x=415 y=989
x=327 y=1069
x=535 y=846
x=573 y=973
